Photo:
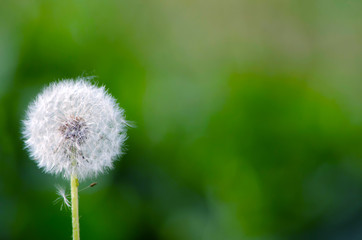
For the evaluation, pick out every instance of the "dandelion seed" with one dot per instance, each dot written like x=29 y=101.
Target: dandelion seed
x=89 y=186
x=62 y=197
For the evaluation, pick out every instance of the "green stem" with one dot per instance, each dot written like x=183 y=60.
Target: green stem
x=75 y=217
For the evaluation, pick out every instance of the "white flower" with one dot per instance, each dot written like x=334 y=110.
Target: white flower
x=74 y=128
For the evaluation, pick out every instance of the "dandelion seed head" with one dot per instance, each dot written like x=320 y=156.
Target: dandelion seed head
x=74 y=127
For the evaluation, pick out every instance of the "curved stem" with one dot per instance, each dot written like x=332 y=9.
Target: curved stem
x=75 y=217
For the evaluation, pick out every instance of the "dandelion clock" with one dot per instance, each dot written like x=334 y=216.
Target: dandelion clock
x=76 y=130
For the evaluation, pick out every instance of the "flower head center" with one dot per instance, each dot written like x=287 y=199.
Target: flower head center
x=75 y=129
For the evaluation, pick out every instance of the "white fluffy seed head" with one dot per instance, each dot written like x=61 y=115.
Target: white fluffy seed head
x=74 y=127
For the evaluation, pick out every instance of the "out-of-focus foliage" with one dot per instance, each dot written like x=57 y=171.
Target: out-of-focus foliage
x=248 y=115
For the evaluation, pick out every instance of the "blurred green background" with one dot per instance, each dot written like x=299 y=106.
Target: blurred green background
x=248 y=115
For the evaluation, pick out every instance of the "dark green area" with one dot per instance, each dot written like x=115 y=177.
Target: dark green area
x=248 y=117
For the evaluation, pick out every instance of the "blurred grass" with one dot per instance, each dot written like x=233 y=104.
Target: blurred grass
x=248 y=117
